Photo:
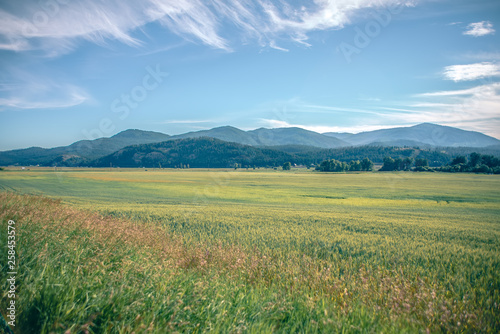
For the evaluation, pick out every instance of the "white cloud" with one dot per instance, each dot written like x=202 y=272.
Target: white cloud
x=273 y=123
x=478 y=90
x=476 y=108
x=480 y=56
x=471 y=71
x=30 y=25
x=26 y=91
x=187 y=121
x=479 y=29
x=273 y=45
x=70 y=96
x=187 y=18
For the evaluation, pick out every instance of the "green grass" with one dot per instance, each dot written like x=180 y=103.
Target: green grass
x=254 y=251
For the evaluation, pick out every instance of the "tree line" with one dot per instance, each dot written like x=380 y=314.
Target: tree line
x=333 y=165
x=477 y=163
x=398 y=164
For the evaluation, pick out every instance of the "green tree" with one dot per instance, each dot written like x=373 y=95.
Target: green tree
x=406 y=163
x=389 y=164
x=490 y=161
x=421 y=163
x=355 y=165
x=482 y=169
x=287 y=166
x=459 y=160
x=475 y=159
x=366 y=164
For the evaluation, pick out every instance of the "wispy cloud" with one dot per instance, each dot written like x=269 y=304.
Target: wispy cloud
x=473 y=91
x=96 y=21
x=478 y=29
x=67 y=96
x=480 y=56
x=26 y=91
x=261 y=21
x=187 y=121
x=476 y=108
x=274 y=123
x=273 y=45
x=319 y=108
x=471 y=71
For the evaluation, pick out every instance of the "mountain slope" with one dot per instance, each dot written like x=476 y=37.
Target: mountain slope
x=425 y=134
x=195 y=152
x=294 y=136
x=267 y=137
x=225 y=133
x=79 y=151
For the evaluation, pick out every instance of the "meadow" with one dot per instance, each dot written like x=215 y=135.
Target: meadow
x=252 y=251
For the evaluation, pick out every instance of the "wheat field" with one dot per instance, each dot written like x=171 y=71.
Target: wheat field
x=253 y=251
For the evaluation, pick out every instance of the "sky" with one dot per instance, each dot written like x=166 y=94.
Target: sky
x=73 y=70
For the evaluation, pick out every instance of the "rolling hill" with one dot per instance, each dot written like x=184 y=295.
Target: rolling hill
x=80 y=151
x=196 y=152
x=425 y=134
x=206 y=152
x=422 y=135
x=267 y=137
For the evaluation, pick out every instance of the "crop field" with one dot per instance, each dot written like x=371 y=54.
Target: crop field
x=252 y=251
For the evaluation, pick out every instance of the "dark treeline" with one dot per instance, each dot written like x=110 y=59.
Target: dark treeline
x=214 y=153
x=272 y=156
x=477 y=163
x=398 y=164
x=340 y=166
x=435 y=157
x=197 y=153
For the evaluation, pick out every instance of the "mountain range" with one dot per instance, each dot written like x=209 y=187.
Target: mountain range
x=425 y=134
x=82 y=150
x=268 y=137
x=287 y=140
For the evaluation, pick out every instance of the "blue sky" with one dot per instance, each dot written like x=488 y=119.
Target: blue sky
x=72 y=70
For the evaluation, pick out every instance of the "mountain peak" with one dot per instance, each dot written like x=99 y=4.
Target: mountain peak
x=136 y=133
x=429 y=125
x=426 y=124
x=227 y=127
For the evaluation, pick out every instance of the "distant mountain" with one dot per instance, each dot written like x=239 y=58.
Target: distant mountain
x=295 y=149
x=225 y=133
x=206 y=152
x=195 y=152
x=295 y=136
x=291 y=141
x=425 y=134
x=339 y=135
x=267 y=137
x=80 y=151
x=400 y=143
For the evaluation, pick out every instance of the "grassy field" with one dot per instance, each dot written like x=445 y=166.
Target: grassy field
x=118 y=251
